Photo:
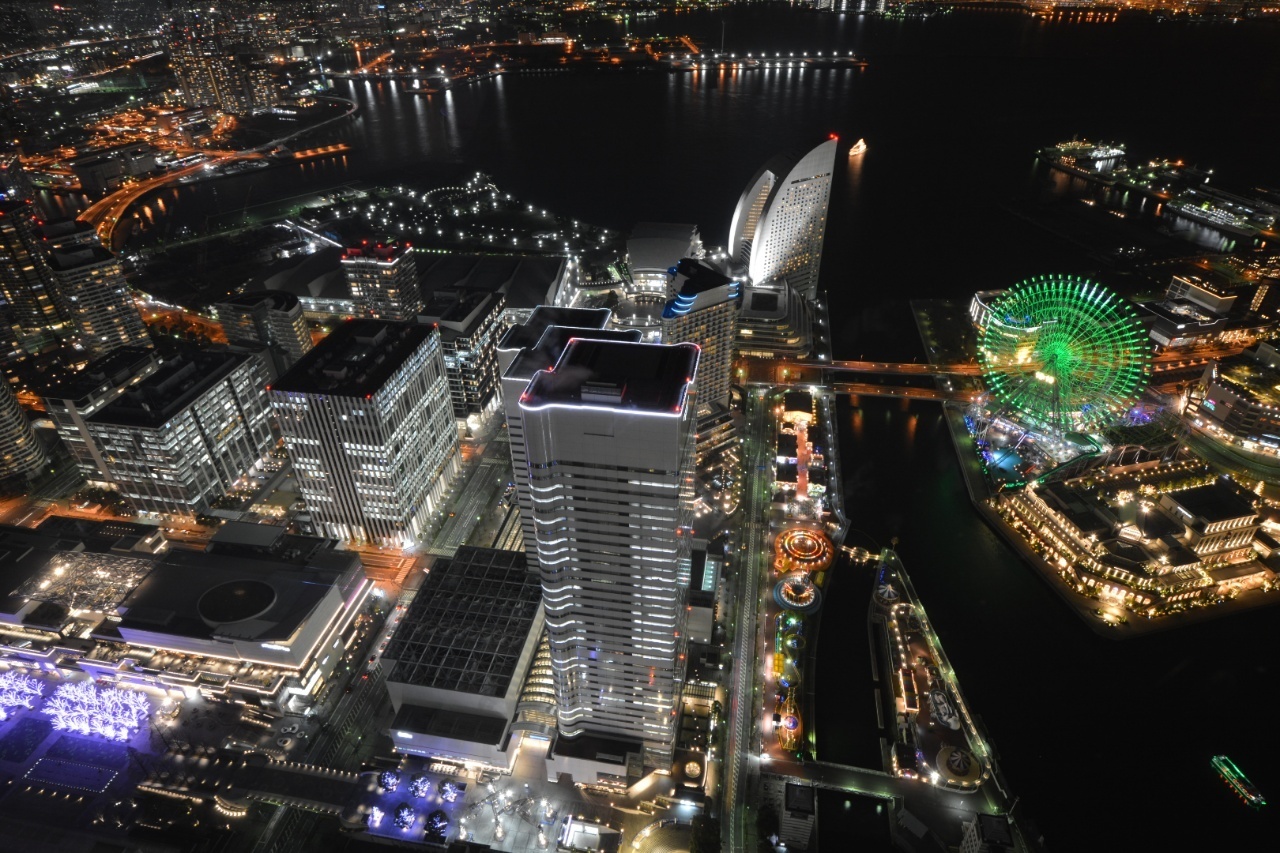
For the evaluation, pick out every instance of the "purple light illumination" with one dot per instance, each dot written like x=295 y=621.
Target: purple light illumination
x=83 y=708
x=17 y=690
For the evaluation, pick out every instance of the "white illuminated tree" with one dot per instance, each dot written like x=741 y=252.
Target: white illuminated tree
x=17 y=690
x=82 y=707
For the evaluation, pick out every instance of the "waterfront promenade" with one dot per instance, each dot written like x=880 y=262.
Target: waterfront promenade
x=937 y=812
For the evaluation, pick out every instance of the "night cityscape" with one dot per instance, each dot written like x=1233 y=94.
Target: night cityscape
x=639 y=426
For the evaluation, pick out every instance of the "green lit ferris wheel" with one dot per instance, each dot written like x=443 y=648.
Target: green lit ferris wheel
x=1065 y=353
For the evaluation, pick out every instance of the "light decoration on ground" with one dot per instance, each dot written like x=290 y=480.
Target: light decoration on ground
x=389 y=780
x=404 y=816
x=17 y=690
x=1065 y=352
x=437 y=822
x=375 y=817
x=84 y=708
x=449 y=792
x=802 y=549
x=419 y=786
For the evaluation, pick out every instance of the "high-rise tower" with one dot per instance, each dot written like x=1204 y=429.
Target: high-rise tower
x=524 y=350
x=781 y=219
x=21 y=453
x=368 y=423
x=25 y=277
x=705 y=312
x=97 y=298
x=609 y=437
x=384 y=281
x=211 y=74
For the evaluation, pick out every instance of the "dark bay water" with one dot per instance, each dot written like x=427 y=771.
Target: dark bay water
x=1107 y=743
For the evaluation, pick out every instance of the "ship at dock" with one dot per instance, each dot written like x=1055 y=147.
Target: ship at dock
x=1084 y=159
x=1224 y=211
x=1237 y=781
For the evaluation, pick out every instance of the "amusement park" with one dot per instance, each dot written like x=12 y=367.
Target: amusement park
x=1066 y=363
x=1087 y=460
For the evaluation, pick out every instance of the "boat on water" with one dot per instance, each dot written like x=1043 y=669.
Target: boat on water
x=1237 y=781
x=1094 y=161
x=1225 y=211
x=859 y=148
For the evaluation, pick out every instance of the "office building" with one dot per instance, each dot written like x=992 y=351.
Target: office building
x=369 y=426
x=1218 y=520
x=102 y=312
x=609 y=438
x=524 y=350
x=273 y=319
x=66 y=234
x=71 y=402
x=1238 y=401
x=781 y=219
x=384 y=281
x=469 y=324
x=21 y=453
x=187 y=433
x=25 y=278
x=525 y=282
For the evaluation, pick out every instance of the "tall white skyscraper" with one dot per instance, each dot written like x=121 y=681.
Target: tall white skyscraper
x=781 y=219
x=368 y=423
x=608 y=434
x=705 y=312
x=524 y=350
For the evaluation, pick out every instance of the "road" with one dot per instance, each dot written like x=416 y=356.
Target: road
x=868 y=389
x=473 y=499
x=769 y=371
x=105 y=214
x=751 y=540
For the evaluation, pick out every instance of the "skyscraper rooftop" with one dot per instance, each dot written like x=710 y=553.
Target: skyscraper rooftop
x=356 y=359
x=618 y=375
x=545 y=316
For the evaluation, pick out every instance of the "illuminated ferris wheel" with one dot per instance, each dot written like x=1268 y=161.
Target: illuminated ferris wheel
x=1064 y=352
